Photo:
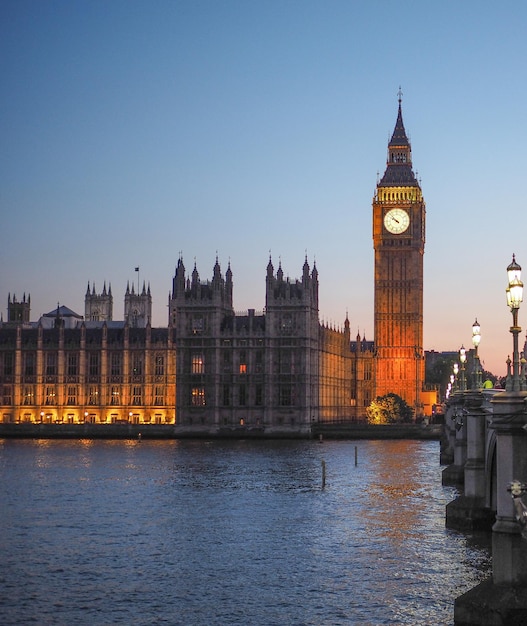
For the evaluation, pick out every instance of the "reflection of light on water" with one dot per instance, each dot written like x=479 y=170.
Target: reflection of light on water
x=390 y=522
x=42 y=459
x=402 y=496
x=243 y=529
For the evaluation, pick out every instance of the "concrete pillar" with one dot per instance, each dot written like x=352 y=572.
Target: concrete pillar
x=468 y=511
x=476 y=438
x=454 y=474
x=509 y=549
x=449 y=436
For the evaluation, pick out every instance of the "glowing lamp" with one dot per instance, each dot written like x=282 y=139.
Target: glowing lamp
x=514 y=293
x=476 y=334
x=514 y=271
x=514 y=289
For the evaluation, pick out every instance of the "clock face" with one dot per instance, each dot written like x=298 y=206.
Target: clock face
x=396 y=221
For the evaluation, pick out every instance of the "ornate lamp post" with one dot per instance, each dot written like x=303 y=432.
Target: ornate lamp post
x=514 y=293
x=488 y=602
x=476 y=338
x=455 y=368
x=463 y=359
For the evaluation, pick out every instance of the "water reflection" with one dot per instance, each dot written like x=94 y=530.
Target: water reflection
x=187 y=532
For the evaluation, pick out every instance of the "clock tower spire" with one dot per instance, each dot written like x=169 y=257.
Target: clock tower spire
x=398 y=243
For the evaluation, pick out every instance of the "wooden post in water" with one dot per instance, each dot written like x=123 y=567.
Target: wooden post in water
x=355 y=456
x=323 y=473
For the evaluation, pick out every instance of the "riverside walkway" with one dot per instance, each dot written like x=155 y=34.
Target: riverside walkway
x=170 y=431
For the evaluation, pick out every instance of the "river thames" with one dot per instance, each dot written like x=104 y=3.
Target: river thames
x=229 y=532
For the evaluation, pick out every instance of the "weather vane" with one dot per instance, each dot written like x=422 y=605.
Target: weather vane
x=400 y=94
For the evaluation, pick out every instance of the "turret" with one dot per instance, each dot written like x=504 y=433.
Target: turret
x=138 y=306
x=305 y=272
x=190 y=290
x=178 y=283
x=228 y=287
x=303 y=292
x=280 y=272
x=18 y=312
x=98 y=307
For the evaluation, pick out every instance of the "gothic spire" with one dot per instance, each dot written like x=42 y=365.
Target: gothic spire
x=195 y=275
x=305 y=270
x=399 y=137
x=270 y=268
x=216 y=271
x=399 y=162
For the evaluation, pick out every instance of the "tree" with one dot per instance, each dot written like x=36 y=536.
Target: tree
x=389 y=409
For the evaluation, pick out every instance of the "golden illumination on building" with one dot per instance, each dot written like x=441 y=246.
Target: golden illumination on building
x=86 y=375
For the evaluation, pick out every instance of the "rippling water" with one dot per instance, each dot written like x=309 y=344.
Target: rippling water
x=184 y=533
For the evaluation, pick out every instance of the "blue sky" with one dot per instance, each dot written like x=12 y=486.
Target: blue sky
x=136 y=131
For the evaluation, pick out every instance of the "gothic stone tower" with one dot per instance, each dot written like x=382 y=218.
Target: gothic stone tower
x=199 y=313
x=138 y=307
x=18 y=312
x=399 y=242
x=98 y=307
x=248 y=372
x=292 y=348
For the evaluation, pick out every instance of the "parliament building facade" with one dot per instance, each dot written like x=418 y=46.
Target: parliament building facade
x=212 y=370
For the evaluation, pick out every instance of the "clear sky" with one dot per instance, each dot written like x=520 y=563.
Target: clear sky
x=133 y=132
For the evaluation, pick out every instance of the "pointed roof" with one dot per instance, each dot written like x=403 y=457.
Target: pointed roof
x=399 y=137
x=270 y=268
x=216 y=270
x=62 y=311
x=399 y=163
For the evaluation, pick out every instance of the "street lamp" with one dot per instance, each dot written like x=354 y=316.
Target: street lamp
x=463 y=359
x=514 y=293
x=476 y=338
x=455 y=368
x=450 y=388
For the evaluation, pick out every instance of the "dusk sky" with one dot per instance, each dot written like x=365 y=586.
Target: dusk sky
x=136 y=132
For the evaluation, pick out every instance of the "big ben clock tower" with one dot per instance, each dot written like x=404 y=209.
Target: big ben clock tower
x=399 y=243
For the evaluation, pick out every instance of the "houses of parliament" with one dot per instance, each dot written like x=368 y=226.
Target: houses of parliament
x=211 y=370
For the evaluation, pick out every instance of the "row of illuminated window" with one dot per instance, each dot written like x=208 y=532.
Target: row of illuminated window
x=74 y=393
x=408 y=195
x=197 y=365
x=242 y=395
x=285 y=364
x=72 y=364
x=198 y=325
